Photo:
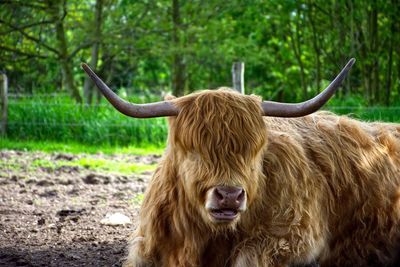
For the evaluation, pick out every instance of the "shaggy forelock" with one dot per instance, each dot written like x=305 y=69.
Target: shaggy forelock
x=220 y=126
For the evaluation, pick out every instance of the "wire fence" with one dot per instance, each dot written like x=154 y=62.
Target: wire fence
x=106 y=105
x=57 y=117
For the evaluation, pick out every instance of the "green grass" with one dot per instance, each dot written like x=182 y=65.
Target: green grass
x=9 y=165
x=111 y=166
x=137 y=199
x=75 y=148
x=386 y=114
x=89 y=163
x=59 y=124
x=62 y=120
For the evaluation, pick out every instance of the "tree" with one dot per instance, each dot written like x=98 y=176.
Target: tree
x=39 y=35
x=88 y=91
x=178 y=65
x=57 y=10
x=147 y=47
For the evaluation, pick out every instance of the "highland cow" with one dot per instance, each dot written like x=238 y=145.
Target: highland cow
x=251 y=183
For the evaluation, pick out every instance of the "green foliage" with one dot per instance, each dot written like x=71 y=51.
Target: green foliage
x=291 y=48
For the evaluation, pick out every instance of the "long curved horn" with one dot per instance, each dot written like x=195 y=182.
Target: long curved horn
x=276 y=109
x=151 y=110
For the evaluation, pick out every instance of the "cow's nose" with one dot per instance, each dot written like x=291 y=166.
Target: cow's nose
x=229 y=197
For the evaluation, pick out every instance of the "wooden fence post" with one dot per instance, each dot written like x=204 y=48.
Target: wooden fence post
x=3 y=104
x=238 y=76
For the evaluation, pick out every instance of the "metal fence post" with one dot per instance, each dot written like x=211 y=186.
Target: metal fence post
x=3 y=104
x=238 y=76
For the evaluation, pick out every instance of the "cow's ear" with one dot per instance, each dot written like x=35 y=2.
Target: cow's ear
x=171 y=120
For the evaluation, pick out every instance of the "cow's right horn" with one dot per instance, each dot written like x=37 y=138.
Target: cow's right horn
x=276 y=109
x=157 y=109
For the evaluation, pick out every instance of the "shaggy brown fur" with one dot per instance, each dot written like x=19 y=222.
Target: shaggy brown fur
x=318 y=187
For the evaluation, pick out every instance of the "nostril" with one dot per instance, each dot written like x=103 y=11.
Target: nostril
x=241 y=196
x=218 y=195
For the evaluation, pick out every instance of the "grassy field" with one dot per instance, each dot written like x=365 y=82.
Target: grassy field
x=75 y=148
x=386 y=114
x=58 y=124
x=61 y=120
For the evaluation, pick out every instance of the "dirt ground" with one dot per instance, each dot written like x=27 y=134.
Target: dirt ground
x=52 y=216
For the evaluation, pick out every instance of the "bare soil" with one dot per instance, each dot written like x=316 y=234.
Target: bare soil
x=51 y=216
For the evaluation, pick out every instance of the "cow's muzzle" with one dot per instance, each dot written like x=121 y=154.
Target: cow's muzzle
x=224 y=203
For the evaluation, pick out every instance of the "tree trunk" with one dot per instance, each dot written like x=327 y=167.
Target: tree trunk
x=352 y=37
x=390 y=57
x=339 y=10
x=398 y=66
x=58 y=13
x=316 y=47
x=396 y=22
x=365 y=51
x=389 y=75
x=296 y=45
x=178 y=66
x=88 y=89
x=374 y=49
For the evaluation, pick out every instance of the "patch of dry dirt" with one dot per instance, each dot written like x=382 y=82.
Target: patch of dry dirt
x=51 y=216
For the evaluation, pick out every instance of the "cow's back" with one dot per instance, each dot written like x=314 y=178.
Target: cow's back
x=352 y=170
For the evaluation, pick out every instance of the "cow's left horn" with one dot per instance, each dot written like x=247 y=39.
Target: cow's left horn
x=276 y=109
x=157 y=109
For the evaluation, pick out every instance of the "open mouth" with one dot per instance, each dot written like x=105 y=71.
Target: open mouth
x=224 y=215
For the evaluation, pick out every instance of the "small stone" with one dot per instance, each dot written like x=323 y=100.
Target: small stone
x=116 y=219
